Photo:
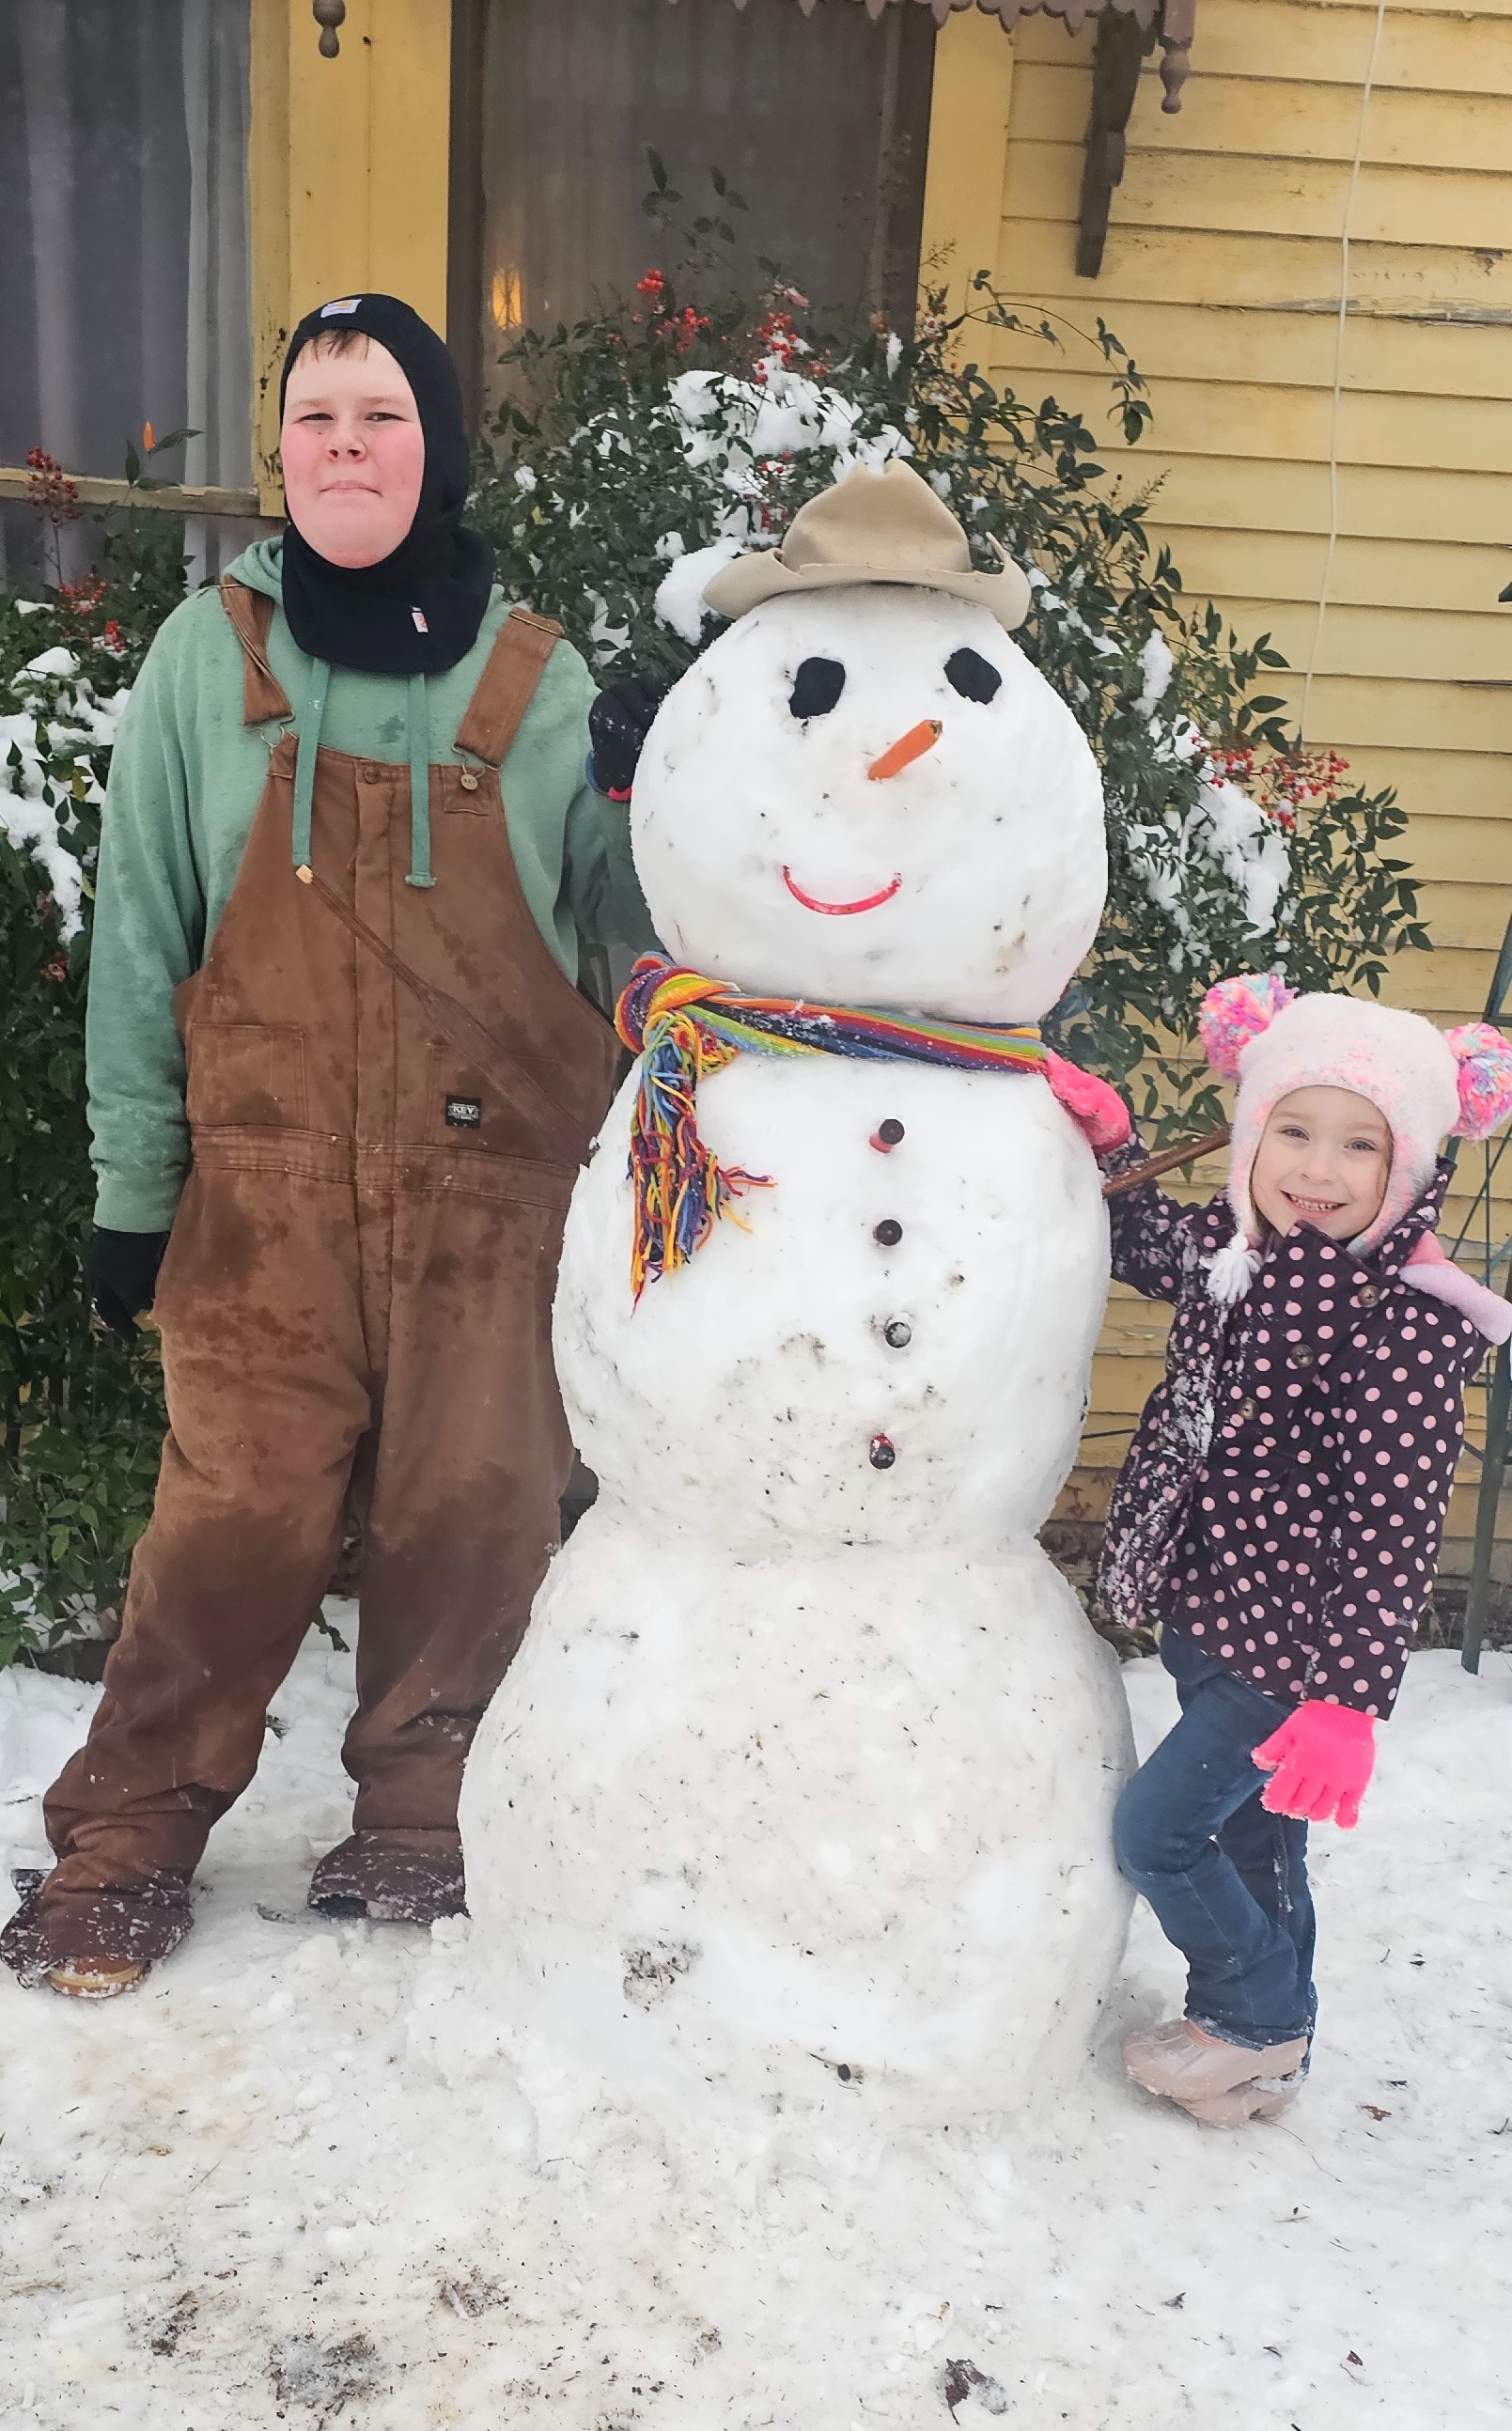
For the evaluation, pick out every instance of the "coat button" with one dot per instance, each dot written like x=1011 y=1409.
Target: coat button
x=1247 y=1410
x=1302 y=1356
x=1367 y=1295
x=468 y=781
x=899 y=1334
x=889 y=1231
x=372 y=776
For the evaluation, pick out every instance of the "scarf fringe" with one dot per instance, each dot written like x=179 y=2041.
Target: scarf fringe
x=681 y=1189
x=685 y=1027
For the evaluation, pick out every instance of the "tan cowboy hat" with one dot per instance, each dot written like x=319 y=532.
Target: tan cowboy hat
x=886 y=527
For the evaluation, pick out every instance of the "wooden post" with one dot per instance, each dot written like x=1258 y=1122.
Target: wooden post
x=968 y=155
x=349 y=173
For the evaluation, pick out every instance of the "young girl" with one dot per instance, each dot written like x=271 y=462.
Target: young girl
x=1281 y=1508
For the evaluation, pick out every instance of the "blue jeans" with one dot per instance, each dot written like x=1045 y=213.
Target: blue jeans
x=1228 y=1882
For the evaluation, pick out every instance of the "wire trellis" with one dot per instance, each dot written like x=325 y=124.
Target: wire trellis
x=1476 y=1247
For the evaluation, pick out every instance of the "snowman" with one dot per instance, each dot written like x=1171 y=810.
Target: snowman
x=802 y=1780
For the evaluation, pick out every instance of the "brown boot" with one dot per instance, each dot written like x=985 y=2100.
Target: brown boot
x=404 y=1876
x=91 y=1944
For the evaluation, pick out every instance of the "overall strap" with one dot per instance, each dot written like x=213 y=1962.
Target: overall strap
x=251 y=616
x=507 y=685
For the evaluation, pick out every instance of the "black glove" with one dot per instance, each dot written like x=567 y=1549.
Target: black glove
x=121 y=1273
x=618 y=724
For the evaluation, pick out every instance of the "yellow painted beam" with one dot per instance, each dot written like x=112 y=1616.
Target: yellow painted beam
x=968 y=154
x=349 y=174
x=172 y=498
x=268 y=184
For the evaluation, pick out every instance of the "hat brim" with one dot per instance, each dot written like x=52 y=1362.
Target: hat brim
x=750 y=581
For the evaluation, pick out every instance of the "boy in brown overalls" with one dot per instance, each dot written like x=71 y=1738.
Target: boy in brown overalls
x=341 y=1079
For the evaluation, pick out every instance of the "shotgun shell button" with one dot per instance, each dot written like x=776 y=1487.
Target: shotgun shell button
x=468 y=781
x=889 y=1231
x=886 y=1136
x=881 y=1451
x=899 y=1334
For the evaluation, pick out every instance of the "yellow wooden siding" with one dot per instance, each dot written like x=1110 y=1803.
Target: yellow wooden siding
x=1222 y=275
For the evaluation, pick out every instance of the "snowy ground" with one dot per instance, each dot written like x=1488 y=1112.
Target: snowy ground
x=279 y=2185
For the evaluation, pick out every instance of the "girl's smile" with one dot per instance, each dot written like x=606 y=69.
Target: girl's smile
x=1325 y=1159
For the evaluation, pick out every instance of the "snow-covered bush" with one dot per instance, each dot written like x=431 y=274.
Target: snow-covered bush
x=80 y=1415
x=647 y=445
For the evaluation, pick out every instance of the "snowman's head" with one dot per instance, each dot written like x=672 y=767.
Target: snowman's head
x=867 y=795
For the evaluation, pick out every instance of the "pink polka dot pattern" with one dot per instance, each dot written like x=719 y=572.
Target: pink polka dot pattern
x=1285 y=1495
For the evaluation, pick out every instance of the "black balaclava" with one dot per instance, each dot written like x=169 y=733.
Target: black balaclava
x=365 y=616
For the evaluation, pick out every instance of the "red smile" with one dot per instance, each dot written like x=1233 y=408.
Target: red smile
x=836 y=910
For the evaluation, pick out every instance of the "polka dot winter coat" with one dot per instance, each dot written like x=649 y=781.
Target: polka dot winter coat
x=1284 y=1498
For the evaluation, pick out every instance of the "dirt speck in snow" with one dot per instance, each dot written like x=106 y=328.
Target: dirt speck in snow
x=962 y=2379
x=650 y=1973
x=163 y=2331
x=471 y=2294
x=325 y=2375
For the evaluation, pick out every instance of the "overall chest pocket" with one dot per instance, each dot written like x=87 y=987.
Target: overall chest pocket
x=246 y=1072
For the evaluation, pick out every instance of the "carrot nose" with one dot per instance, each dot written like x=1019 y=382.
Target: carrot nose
x=908 y=748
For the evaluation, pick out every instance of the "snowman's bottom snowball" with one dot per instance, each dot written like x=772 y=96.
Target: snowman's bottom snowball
x=749 y=1832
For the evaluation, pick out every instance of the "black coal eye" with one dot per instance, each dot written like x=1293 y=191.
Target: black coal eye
x=816 y=687
x=972 y=675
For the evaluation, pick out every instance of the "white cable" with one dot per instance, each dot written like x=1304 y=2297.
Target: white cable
x=1366 y=91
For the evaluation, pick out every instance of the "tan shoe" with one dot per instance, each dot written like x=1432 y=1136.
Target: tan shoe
x=1186 y=2064
x=1264 y=2097
x=94 y=1982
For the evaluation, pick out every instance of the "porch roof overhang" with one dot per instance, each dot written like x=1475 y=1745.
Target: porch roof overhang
x=1128 y=31
x=1169 y=21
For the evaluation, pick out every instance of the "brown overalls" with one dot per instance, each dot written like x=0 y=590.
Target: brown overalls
x=354 y=1305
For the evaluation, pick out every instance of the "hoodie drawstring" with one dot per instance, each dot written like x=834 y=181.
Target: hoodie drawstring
x=307 y=725
x=419 y=786
x=308 y=728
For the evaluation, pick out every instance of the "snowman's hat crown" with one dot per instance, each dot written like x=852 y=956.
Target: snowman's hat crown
x=886 y=527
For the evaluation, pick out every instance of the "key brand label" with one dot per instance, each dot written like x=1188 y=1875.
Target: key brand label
x=465 y=1114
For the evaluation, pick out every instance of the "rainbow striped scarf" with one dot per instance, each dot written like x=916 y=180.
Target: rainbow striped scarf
x=685 y=1026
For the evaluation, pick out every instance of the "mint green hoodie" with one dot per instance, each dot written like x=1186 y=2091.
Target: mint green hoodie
x=186 y=778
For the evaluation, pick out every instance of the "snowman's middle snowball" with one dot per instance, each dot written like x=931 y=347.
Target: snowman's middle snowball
x=973 y=878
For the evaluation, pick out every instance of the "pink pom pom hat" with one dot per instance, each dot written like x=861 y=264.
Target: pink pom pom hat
x=1426 y=1083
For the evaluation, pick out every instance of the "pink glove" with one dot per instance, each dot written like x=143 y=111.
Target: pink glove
x=1321 y=1759
x=1095 y=1107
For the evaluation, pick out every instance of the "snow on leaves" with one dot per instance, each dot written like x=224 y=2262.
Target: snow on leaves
x=736 y=429
x=54 y=741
